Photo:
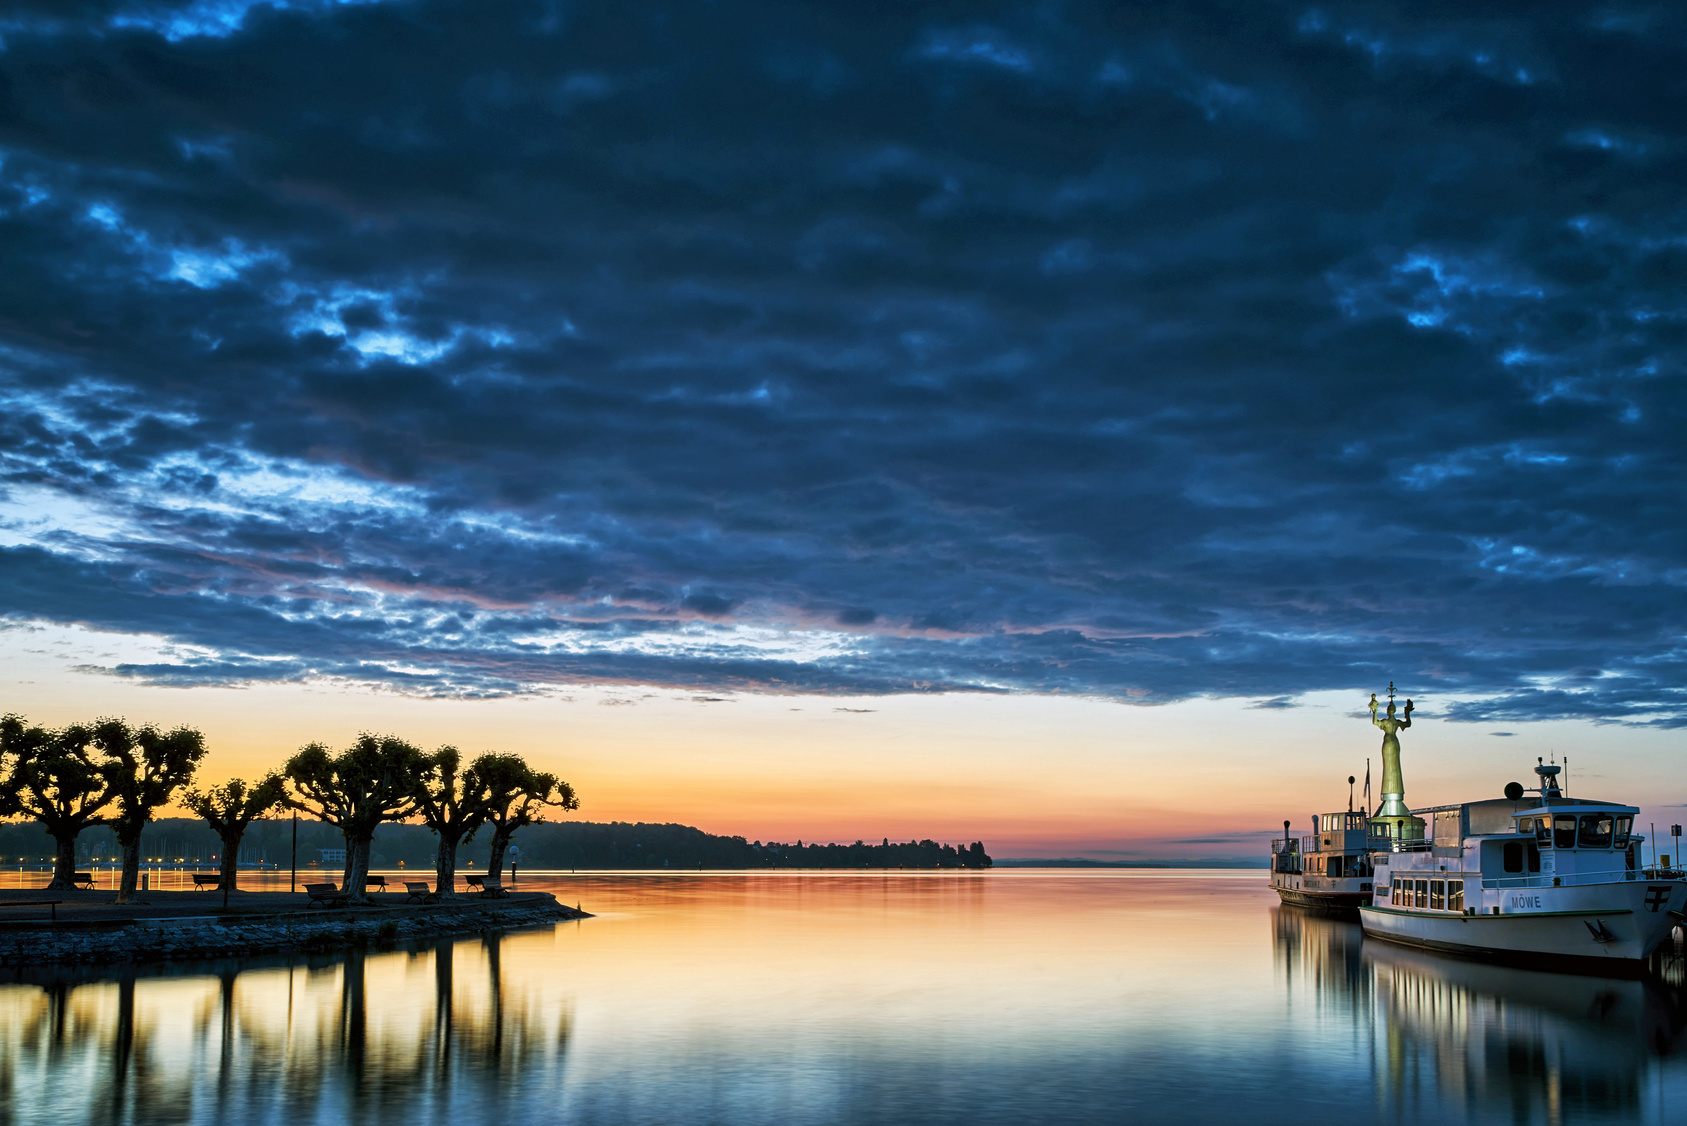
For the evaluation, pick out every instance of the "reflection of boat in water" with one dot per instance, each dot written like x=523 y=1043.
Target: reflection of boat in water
x=1545 y=1044
x=1490 y=1040
x=1551 y=880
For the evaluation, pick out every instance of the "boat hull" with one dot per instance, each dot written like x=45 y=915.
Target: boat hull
x=1336 y=904
x=1616 y=938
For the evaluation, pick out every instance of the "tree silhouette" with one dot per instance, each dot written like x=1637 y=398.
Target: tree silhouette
x=230 y=809
x=55 y=781
x=372 y=781
x=453 y=803
x=516 y=795
x=143 y=768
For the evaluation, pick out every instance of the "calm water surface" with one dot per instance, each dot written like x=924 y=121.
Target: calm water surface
x=798 y=998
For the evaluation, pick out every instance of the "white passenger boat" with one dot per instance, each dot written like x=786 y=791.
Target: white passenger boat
x=1543 y=879
x=1328 y=871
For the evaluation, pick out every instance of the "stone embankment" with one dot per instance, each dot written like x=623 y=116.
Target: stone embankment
x=240 y=935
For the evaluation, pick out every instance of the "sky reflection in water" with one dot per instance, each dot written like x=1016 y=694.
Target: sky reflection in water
x=854 y=998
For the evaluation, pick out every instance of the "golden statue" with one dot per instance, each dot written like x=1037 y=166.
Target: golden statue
x=1393 y=817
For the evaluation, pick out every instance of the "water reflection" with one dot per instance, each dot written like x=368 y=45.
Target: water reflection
x=1501 y=1043
x=841 y=999
x=364 y=1037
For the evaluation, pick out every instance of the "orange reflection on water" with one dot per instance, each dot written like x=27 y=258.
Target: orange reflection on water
x=850 y=997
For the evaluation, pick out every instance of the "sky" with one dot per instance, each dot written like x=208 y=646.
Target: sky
x=1043 y=423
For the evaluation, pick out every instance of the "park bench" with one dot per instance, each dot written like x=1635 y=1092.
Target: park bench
x=474 y=881
x=328 y=895
x=83 y=880
x=417 y=891
x=207 y=880
x=52 y=905
x=490 y=889
x=375 y=882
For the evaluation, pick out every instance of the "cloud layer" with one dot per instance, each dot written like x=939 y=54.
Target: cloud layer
x=476 y=348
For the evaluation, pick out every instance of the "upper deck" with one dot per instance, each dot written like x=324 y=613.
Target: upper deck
x=1348 y=832
x=1532 y=841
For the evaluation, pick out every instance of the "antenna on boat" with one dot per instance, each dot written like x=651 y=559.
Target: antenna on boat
x=1566 y=775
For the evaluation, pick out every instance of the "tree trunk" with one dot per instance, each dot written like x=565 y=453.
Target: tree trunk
x=495 y=862
x=131 y=867
x=357 y=869
x=445 y=867
x=64 y=863
x=231 y=859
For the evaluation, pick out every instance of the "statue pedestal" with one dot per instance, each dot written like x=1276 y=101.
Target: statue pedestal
x=1398 y=827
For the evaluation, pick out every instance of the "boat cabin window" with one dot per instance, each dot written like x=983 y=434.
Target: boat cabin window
x=1543 y=831
x=1564 y=831
x=1437 y=895
x=1596 y=830
x=1455 y=895
x=1421 y=895
x=1624 y=826
x=1513 y=856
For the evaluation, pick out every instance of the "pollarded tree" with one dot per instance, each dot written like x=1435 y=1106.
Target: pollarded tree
x=516 y=795
x=230 y=810
x=18 y=741
x=143 y=768
x=452 y=802
x=56 y=781
x=372 y=781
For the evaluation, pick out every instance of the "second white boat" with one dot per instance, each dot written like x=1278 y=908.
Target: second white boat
x=1536 y=878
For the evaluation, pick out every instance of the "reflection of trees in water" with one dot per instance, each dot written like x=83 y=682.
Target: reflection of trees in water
x=360 y=1038
x=1530 y=1045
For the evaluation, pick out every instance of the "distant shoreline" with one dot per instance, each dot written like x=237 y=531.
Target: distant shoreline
x=1233 y=862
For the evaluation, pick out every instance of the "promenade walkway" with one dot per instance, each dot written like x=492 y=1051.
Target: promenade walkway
x=94 y=908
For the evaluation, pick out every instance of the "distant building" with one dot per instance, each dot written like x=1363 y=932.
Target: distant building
x=333 y=857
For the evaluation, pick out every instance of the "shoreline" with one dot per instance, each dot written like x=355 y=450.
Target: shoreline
x=100 y=933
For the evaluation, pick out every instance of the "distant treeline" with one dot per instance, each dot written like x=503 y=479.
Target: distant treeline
x=574 y=844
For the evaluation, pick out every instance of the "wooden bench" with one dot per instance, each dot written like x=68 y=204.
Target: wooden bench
x=417 y=892
x=328 y=895
x=375 y=882
x=52 y=905
x=474 y=881
x=83 y=880
x=207 y=880
x=492 y=889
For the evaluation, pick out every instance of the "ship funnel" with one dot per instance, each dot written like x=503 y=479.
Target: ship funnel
x=1549 y=780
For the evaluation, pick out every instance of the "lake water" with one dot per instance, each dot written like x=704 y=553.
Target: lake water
x=855 y=998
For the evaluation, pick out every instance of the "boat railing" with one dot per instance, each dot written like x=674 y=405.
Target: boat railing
x=1278 y=844
x=1570 y=879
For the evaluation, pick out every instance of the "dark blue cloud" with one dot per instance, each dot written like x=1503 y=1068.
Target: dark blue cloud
x=1146 y=351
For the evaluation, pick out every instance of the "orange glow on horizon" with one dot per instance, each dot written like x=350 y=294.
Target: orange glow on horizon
x=1027 y=775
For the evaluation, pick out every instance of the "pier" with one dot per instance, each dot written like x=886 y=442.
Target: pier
x=40 y=927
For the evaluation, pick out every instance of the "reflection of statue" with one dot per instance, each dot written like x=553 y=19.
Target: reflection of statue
x=1393 y=813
